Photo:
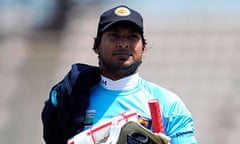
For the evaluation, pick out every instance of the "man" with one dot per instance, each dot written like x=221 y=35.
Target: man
x=89 y=95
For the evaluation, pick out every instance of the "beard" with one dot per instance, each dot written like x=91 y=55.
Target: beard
x=119 y=70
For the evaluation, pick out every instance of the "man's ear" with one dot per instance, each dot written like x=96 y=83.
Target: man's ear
x=95 y=48
x=144 y=50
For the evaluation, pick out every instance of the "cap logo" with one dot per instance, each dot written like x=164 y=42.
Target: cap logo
x=122 y=11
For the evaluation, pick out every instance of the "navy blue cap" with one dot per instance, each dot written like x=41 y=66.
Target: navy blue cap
x=117 y=14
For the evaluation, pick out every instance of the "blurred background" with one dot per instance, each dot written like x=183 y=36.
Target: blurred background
x=193 y=50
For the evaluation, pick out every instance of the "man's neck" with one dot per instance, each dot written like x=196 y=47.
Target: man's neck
x=125 y=83
x=117 y=74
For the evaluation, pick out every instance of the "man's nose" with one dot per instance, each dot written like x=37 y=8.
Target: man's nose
x=123 y=42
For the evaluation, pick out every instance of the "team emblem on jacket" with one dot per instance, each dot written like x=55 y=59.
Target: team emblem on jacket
x=144 y=121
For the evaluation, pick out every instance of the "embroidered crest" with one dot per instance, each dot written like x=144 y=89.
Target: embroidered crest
x=122 y=11
x=144 y=121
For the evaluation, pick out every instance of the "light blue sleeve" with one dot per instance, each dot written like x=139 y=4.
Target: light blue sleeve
x=180 y=129
x=178 y=122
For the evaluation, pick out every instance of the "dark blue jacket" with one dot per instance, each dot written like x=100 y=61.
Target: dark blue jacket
x=64 y=118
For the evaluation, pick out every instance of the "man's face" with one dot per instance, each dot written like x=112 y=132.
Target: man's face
x=121 y=48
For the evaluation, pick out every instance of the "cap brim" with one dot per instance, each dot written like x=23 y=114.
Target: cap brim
x=121 y=20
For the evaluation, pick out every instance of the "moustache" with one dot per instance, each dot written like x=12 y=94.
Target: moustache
x=122 y=52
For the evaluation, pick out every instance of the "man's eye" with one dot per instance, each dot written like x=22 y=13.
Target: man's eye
x=133 y=36
x=113 y=35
